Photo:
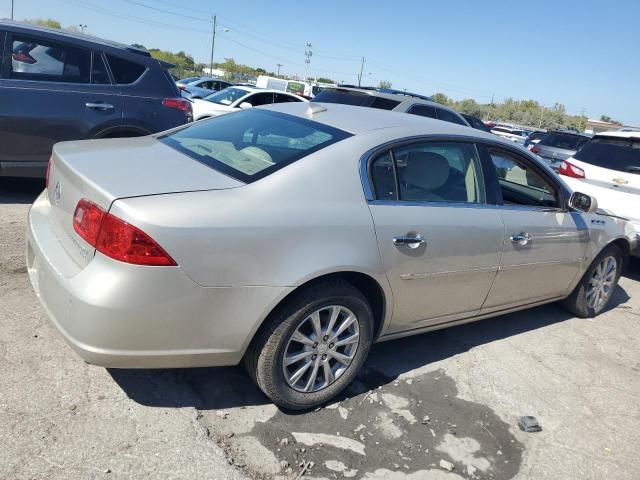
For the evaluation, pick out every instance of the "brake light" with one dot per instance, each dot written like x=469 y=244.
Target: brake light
x=534 y=149
x=177 y=103
x=568 y=169
x=24 y=57
x=116 y=238
x=46 y=176
x=180 y=86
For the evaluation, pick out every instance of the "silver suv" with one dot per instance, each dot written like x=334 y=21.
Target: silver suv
x=398 y=102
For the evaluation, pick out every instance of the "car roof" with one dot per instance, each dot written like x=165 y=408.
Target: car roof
x=26 y=28
x=358 y=120
x=619 y=134
x=258 y=89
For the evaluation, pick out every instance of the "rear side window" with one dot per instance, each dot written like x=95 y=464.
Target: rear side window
x=447 y=116
x=99 y=73
x=345 y=97
x=42 y=60
x=280 y=98
x=252 y=144
x=124 y=71
x=384 y=103
x=423 y=111
x=618 y=154
x=562 y=140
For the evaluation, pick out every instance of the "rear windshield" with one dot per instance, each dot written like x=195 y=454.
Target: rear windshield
x=345 y=97
x=563 y=140
x=251 y=144
x=618 y=154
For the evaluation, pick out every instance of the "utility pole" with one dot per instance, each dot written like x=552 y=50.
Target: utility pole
x=278 y=65
x=213 y=44
x=361 y=69
x=11 y=9
x=82 y=27
x=307 y=53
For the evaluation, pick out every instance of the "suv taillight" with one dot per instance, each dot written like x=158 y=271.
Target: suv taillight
x=534 y=149
x=568 y=169
x=116 y=238
x=177 y=103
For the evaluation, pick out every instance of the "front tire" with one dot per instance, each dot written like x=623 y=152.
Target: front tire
x=592 y=295
x=313 y=346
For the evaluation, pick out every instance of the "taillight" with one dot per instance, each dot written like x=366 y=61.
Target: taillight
x=46 y=176
x=568 y=169
x=534 y=149
x=23 y=57
x=177 y=103
x=180 y=86
x=116 y=238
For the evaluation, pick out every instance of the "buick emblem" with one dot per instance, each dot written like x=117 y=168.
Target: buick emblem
x=620 y=181
x=57 y=192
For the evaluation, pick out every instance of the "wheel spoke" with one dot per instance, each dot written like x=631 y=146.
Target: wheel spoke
x=296 y=376
x=317 y=327
x=329 y=377
x=343 y=359
x=346 y=323
x=313 y=376
x=335 y=312
x=290 y=359
x=348 y=341
x=301 y=338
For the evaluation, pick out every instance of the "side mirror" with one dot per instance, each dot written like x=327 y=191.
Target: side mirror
x=583 y=202
x=245 y=105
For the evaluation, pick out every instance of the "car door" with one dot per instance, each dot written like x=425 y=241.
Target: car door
x=439 y=237
x=544 y=243
x=50 y=91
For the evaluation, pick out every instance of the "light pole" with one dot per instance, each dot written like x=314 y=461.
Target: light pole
x=11 y=9
x=82 y=27
x=361 y=68
x=213 y=44
x=307 y=53
x=279 y=65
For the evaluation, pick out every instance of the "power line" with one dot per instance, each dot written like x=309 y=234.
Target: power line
x=190 y=17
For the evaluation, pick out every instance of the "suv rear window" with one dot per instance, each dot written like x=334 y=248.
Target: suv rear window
x=124 y=71
x=252 y=144
x=345 y=97
x=621 y=154
x=563 y=140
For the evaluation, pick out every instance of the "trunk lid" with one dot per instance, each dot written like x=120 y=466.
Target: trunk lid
x=105 y=170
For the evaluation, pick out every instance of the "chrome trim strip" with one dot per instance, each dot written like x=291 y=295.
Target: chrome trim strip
x=570 y=261
x=418 y=276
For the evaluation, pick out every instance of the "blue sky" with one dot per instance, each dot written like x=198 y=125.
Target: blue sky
x=584 y=54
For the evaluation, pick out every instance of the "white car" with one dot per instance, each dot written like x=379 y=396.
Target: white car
x=608 y=168
x=235 y=98
x=513 y=134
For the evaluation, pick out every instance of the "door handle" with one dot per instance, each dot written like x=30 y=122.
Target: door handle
x=522 y=238
x=99 y=106
x=410 y=241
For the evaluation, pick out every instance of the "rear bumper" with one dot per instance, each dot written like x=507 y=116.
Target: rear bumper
x=126 y=316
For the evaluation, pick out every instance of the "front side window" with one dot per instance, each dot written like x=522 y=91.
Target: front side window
x=259 y=99
x=429 y=172
x=124 y=71
x=252 y=143
x=384 y=103
x=521 y=184
x=42 y=60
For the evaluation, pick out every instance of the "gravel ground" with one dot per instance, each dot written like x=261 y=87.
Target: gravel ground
x=441 y=405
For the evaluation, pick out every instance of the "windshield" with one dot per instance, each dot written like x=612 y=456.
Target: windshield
x=563 y=140
x=226 y=96
x=619 y=154
x=252 y=144
x=188 y=80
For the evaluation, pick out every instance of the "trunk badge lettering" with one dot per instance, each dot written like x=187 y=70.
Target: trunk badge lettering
x=57 y=193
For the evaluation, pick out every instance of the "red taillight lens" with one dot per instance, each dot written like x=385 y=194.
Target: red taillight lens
x=534 y=149
x=46 y=176
x=116 y=238
x=87 y=220
x=180 y=87
x=24 y=57
x=177 y=103
x=570 y=170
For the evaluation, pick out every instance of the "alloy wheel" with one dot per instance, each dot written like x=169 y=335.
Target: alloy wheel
x=602 y=281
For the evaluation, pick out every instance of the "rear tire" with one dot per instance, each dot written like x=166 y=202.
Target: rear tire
x=594 y=291
x=291 y=331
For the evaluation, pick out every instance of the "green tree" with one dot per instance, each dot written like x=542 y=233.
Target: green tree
x=385 y=84
x=45 y=22
x=324 y=80
x=440 y=98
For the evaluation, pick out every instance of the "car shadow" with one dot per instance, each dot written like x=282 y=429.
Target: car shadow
x=227 y=387
x=633 y=269
x=20 y=190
